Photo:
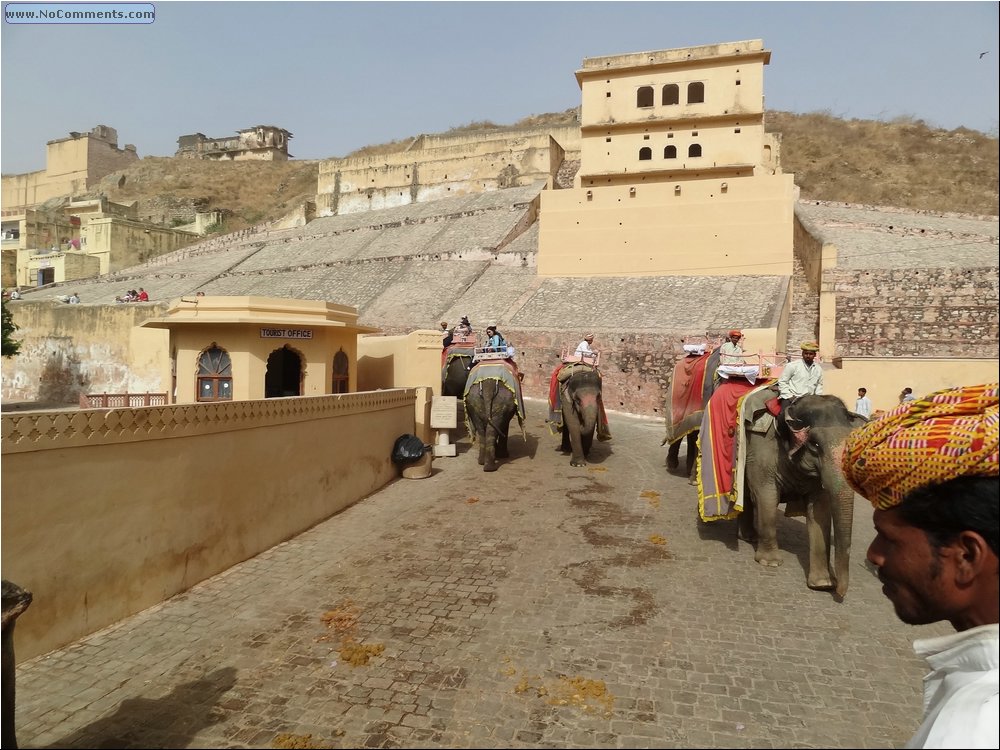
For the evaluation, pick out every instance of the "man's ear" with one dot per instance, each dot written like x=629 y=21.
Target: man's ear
x=973 y=557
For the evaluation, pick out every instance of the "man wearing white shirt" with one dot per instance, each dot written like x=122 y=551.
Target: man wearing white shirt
x=863 y=405
x=930 y=469
x=584 y=346
x=802 y=377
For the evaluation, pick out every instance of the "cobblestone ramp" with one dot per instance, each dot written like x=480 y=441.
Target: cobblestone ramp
x=538 y=606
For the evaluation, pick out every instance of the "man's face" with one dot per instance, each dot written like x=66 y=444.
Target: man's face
x=915 y=576
x=808 y=357
x=735 y=339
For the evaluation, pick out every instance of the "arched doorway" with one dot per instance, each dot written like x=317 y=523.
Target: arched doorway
x=284 y=373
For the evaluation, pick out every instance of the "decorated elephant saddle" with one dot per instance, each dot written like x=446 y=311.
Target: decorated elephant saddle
x=500 y=370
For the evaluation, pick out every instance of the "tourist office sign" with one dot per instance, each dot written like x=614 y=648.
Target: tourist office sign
x=285 y=333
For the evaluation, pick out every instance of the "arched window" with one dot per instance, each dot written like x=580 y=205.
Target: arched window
x=283 y=376
x=670 y=152
x=644 y=96
x=694 y=150
x=645 y=153
x=671 y=94
x=341 y=373
x=215 y=375
x=696 y=92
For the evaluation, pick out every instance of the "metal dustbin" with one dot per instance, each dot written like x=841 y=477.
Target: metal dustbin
x=412 y=456
x=421 y=468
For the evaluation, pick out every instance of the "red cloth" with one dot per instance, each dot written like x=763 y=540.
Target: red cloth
x=773 y=406
x=554 y=389
x=723 y=417
x=686 y=389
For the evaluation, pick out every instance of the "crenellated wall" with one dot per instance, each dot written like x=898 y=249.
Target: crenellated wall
x=443 y=166
x=141 y=504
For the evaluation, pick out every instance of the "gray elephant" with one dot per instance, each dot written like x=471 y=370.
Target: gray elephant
x=691 y=385
x=455 y=373
x=797 y=461
x=577 y=409
x=492 y=398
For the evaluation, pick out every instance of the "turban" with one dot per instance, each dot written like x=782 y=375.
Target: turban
x=734 y=332
x=949 y=434
x=809 y=346
x=589 y=336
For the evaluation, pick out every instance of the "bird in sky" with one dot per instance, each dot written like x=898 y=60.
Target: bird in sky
x=983 y=53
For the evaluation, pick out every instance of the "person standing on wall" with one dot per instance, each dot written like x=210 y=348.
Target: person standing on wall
x=930 y=470
x=863 y=405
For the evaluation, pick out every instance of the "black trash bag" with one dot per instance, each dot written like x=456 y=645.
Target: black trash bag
x=408 y=449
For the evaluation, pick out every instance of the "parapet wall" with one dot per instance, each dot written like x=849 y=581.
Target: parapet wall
x=141 y=504
x=437 y=167
x=930 y=312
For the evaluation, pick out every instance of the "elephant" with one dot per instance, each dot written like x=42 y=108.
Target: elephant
x=456 y=361
x=492 y=397
x=577 y=410
x=797 y=461
x=456 y=372
x=691 y=385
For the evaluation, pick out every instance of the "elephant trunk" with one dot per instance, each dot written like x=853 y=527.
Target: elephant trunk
x=588 y=410
x=842 y=500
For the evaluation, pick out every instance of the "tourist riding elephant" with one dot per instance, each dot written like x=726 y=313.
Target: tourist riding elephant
x=492 y=398
x=798 y=462
x=578 y=410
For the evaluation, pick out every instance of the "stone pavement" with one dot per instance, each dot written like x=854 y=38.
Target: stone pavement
x=538 y=606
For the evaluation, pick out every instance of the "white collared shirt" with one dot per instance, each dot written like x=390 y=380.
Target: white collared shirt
x=961 y=691
x=800 y=379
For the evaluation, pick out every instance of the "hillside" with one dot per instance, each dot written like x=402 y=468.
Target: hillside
x=903 y=163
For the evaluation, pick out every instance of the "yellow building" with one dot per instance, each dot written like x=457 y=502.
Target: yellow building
x=72 y=165
x=244 y=348
x=677 y=176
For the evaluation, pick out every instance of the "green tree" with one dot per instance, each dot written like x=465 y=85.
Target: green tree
x=10 y=347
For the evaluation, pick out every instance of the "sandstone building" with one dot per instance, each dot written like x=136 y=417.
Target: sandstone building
x=259 y=143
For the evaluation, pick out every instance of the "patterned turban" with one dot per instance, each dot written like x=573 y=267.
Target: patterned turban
x=949 y=434
x=809 y=346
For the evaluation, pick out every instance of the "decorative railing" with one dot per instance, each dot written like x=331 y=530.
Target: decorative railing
x=121 y=400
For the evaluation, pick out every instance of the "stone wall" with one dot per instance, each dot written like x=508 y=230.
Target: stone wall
x=111 y=546
x=931 y=312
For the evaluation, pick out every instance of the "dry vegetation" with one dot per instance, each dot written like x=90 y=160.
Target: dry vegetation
x=903 y=163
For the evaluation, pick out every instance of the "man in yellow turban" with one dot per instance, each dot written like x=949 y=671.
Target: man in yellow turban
x=930 y=469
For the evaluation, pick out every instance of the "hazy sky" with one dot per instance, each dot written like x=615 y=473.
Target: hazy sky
x=341 y=75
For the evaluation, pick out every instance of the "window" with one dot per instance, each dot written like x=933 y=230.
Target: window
x=694 y=150
x=696 y=92
x=215 y=375
x=671 y=94
x=644 y=96
x=670 y=152
x=645 y=153
x=341 y=369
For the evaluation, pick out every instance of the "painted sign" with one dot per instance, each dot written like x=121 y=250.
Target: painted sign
x=285 y=333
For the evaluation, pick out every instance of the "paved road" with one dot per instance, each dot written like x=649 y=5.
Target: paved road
x=539 y=606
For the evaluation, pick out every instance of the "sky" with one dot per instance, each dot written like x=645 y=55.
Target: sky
x=342 y=75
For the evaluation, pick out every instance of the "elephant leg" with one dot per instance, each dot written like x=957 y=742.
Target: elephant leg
x=564 y=445
x=673 y=451
x=692 y=453
x=586 y=442
x=818 y=518
x=572 y=426
x=488 y=452
x=502 y=431
x=745 y=527
x=765 y=502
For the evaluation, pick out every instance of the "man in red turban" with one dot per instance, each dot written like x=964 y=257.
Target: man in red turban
x=930 y=469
